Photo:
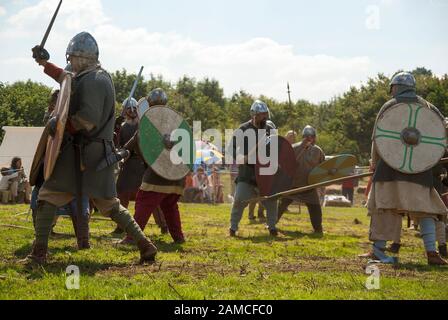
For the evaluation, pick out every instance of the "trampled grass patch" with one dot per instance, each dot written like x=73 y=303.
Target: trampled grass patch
x=210 y=265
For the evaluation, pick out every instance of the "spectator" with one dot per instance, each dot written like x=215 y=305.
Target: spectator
x=348 y=189
x=200 y=181
x=19 y=184
x=217 y=186
x=191 y=194
x=6 y=179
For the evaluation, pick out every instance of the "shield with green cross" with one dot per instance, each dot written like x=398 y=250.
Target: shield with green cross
x=166 y=142
x=410 y=137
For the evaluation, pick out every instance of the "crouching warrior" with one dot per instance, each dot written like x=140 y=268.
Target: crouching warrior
x=408 y=141
x=74 y=153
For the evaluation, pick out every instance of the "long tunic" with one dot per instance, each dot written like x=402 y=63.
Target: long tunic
x=131 y=174
x=307 y=158
x=92 y=107
x=395 y=192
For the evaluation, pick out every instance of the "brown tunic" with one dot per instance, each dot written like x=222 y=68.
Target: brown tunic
x=307 y=158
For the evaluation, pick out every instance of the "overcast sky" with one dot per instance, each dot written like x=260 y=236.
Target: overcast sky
x=320 y=47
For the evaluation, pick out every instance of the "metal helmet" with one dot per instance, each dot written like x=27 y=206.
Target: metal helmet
x=309 y=131
x=271 y=124
x=83 y=45
x=403 y=79
x=133 y=104
x=258 y=107
x=157 y=97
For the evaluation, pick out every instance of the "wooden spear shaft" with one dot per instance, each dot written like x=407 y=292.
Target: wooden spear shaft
x=311 y=187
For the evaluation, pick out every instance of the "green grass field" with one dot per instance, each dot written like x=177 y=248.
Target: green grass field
x=296 y=265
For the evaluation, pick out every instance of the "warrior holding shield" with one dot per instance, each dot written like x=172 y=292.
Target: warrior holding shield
x=307 y=156
x=249 y=183
x=163 y=182
x=85 y=141
x=409 y=139
x=133 y=168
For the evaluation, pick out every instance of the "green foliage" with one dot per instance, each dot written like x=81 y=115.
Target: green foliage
x=344 y=123
x=23 y=104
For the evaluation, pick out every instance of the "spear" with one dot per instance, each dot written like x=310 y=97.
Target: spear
x=294 y=127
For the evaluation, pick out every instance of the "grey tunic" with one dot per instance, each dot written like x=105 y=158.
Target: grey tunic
x=131 y=174
x=92 y=108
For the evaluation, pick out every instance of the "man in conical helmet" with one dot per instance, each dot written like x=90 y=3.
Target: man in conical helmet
x=308 y=155
x=88 y=136
x=133 y=168
x=395 y=193
x=246 y=184
x=157 y=195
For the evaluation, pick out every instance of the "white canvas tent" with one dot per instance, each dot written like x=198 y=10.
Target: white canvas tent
x=20 y=142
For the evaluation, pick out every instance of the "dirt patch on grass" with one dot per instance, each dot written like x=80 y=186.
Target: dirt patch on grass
x=311 y=264
x=194 y=269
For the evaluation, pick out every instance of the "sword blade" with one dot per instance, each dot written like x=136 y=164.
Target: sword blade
x=134 y=86
x=44 y=40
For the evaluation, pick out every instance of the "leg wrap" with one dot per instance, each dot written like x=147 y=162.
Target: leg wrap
x=440 y=232
x=125 y=221
x=428 y=232
x=44 y=221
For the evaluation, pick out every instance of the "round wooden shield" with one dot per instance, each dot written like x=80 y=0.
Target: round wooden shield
x=283 y=178
x=143 y=105
x=61 y=113
x=157 y=147
x=337 y=167
x=410 y=137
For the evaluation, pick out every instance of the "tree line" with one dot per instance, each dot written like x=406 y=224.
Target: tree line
x=344 y=123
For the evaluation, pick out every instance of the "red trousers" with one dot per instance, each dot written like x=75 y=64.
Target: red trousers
x=147 y=201
x=127 y=196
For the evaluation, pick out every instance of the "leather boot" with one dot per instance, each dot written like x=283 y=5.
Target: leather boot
x=148 y=251
x=434 y=259
x=81 y=227
x=394 y=248
x=443 y=251
x=38 y=254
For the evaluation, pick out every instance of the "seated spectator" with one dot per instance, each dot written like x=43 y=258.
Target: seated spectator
x=7 y=176
x=200 y=181
x=19 y=184
x=191 y=194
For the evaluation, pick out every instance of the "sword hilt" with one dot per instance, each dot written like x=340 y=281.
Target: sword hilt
x=40 y=53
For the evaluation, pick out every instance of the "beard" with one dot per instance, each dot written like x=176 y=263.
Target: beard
x=262 y=123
